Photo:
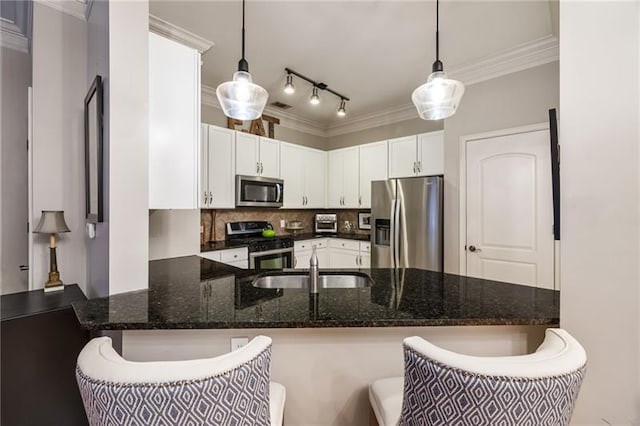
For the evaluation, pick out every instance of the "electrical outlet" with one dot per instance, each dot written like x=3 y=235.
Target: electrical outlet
x=282 y=223
x=238 y=342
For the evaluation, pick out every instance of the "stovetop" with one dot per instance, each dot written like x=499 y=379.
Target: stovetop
x=250 y=234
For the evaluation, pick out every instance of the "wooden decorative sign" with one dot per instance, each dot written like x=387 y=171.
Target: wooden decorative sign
x=256 y=127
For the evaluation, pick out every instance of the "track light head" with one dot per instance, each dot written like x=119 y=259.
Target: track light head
x=315 y=99
x=289 y=88
x=342 y=110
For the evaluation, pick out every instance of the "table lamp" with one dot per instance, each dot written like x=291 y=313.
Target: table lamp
x=52 y=222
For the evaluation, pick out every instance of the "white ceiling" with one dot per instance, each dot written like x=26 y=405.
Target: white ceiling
x=374 y=52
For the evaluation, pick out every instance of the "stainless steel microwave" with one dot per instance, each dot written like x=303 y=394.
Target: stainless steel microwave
x=257 y=191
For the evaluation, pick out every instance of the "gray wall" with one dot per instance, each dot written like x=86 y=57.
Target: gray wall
x=98 y=64
x=212 y=115
x=59 y=86
x=15 y=76
x=513 y=100
x=389 y=131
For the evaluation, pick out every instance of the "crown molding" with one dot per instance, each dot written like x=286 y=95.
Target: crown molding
x=178 y=34
x=291 y=121
x=521 y=57
x=526 y=55
x=12 y=38
x=75 y=8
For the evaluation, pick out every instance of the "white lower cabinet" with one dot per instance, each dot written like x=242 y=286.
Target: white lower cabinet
x=238 y=257
x=302 y=251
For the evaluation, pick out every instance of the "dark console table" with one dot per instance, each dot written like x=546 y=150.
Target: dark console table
x=40 y=342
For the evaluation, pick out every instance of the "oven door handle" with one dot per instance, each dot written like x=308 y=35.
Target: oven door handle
x=268 y=252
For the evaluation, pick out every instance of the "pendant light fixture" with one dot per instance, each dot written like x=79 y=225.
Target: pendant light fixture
x=241 y=98
x=440 y=96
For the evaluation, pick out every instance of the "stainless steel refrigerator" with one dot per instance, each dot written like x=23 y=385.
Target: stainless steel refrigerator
x=406 y=219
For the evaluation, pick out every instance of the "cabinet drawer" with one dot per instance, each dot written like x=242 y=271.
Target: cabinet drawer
x=309 y=244
x=211 y=255
x=234 y=255
x=345 y=244
x=365 y=247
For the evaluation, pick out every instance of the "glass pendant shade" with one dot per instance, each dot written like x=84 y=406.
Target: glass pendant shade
x=241 y=98
x=438 y=98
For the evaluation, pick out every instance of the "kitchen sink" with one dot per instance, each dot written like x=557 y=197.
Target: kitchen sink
x=326 y=280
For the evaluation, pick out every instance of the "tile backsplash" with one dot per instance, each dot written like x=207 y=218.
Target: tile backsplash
x=219 y=217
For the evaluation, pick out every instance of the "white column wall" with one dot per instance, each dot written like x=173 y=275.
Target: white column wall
x=128 y=146
x=599 y=173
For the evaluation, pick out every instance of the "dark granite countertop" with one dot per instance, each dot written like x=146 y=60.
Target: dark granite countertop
x=222 y=244
x=193 y=292
x=26 y=303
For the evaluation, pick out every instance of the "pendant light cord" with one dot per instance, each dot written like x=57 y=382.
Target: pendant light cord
x=437 y=30
x=243 y=65
x=242 y=29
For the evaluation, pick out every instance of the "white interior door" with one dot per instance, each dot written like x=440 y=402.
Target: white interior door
x=509 y=209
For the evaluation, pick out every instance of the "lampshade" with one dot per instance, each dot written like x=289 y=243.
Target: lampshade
x=51 y=222
x=438 y=98
x=241 y=98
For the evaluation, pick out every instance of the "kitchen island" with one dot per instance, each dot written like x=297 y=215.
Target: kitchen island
x=196 y=293
x=328 y=348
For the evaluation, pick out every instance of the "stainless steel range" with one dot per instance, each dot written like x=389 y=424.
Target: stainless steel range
x=264 y=252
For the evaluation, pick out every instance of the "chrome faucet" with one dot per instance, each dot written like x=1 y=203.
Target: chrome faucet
x=314 y=272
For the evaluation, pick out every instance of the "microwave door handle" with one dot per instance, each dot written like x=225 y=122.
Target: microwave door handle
x=278 y=193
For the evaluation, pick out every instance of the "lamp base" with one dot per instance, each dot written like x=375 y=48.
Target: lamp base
x=54 y=283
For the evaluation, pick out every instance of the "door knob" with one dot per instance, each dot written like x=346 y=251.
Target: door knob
x=473 y=249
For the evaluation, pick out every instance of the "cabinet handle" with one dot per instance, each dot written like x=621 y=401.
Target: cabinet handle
x=210 y=197
x=295 y=261
x=206 y=198
x=258 y=168
x=357 y=260
x=419 y=166
x=306 y=200
x=414 y=167
x=360 y=200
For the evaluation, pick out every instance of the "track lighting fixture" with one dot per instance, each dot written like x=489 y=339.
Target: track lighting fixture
x=315 y=97
x=440 y=96
x=241 y=98
x=342 y=110
x=289 y=88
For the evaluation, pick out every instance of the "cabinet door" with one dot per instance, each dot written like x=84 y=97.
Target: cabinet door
x=403 y=157
x=342 y=259
x=350 y=178
x=365 y=261
x=221 y=167
x=315 y=178
x=373 y=166
x=204 y=167
x=431 y=153
x=269 y=158
x=323 y=258
x=247 y=154
x=174 y=123
x=335 y=179
x=301 y=260
x=292 y=172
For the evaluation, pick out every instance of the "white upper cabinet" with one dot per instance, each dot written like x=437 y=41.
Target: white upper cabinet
x=403 y=154
x=303 y=172
x=257 y=156
x=418 y=155
x=343 y=178
x=247 y=154
x=373 y=166
x=218 y=189
x=269 y=157
x=431 y=153
x=174 y=125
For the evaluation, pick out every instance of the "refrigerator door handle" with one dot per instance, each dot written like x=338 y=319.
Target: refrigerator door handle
x=392 y=230
x=396 y=234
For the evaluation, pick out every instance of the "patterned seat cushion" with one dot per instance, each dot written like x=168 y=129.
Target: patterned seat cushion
x=237 y=397
x=436 y=394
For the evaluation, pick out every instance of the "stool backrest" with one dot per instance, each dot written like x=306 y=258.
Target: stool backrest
x=229 y=389
x=443 y=388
